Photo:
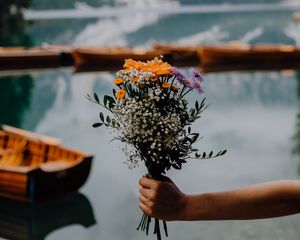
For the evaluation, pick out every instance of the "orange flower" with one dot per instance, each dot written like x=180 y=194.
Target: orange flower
x=166 y=85
x=156 y=66
x=129 y=63
x=154 y=78
x=120 y=94
x=118 y=81
x=174 y=88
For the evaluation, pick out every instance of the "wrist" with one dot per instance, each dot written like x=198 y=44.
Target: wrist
x=197 y=207
x=183 y=213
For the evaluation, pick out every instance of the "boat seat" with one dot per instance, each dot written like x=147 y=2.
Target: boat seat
x=55 y=166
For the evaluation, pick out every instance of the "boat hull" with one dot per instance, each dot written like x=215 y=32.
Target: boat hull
x=38 y=185
x=36 y=168
x=181 y=56
x=34 y=58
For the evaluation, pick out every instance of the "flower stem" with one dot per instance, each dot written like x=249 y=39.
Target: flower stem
x=157 y=229
x=148 y=224
x=140 y=224
x=165 y=228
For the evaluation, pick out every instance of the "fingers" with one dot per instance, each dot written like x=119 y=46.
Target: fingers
x=146 y=193
x=146 y=205
x=149 y=183
x=143 y=200
x=145 y=209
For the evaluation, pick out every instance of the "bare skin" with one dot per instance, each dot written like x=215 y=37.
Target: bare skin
x=165 y=201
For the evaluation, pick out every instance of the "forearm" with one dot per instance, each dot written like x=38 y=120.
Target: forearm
x=265 y=200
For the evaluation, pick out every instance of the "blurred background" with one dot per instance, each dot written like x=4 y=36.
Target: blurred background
x=253 y=114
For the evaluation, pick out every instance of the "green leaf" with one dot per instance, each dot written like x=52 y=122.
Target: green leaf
x=223 y=152
x=197 y=106
x=107 y=119
x=95 y=125
x=195 y=137
x=202 y=103
x=105 y=100
x=111 y=102
x=101 y=116
x=177 y=166
x=203 y=155
x=210 y=154
x=96 y=98
x=189 y=130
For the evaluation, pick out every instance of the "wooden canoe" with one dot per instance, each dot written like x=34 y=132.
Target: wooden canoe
x=36 y=168
x=34 y=58
x=109 y=58
x=249 y=54
x=24 y=221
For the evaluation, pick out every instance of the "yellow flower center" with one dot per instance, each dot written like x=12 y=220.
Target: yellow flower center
x=166 y=85
x=154 y=78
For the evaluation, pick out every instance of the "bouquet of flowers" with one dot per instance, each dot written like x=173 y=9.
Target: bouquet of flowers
x=151 y=115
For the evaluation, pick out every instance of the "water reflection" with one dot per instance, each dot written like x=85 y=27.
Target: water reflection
x=296 y=149
x=15 y=92
x=15 y=98
x=22 y=221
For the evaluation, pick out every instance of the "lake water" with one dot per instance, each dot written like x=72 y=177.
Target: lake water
x=252 y=114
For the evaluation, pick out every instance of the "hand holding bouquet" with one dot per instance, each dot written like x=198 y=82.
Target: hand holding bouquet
x=151 y=116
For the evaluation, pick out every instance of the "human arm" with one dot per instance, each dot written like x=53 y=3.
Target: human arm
x=163 y=200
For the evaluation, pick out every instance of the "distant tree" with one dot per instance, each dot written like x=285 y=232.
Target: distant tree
x=12 y=24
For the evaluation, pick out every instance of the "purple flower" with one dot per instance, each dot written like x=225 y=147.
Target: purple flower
x=178 y=74
x=196 y=75
x=195 y=84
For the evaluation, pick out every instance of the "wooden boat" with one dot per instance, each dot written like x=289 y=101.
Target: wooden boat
x=35 y=168
x=32 y=58
x=109 y=58
x=24 y=221
x=248 y=54
x=180 y=55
